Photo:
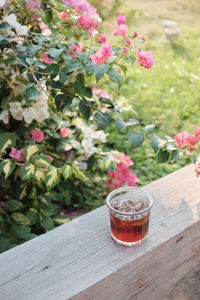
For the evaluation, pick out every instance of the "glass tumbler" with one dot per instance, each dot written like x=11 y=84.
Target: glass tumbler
x=129 y=227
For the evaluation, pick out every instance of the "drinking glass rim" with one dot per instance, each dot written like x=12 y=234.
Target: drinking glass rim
x=130 y=189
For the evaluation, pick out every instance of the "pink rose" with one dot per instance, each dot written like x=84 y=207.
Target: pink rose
x=63 y=14
x=100 y=93
x=180 y=138
x=124 y=51
x=197 y=132
x=197 y=167
x=33 y=6
x=132 y=179
x=128 y=41
x=135 y=34
x=75 y=48
x=17 y=154
x=145 y=59
x=191 y=142
x=45 y=29
x=184 y=139
x=125 y=159
x=46 y=59
x=64 y=132
x=103 y=54
x=37 y=136
x=120 y=30
x=103 y=38
x=121 y=20
x=85 y=21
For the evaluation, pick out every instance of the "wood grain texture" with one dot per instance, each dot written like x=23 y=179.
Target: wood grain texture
x=79 y=260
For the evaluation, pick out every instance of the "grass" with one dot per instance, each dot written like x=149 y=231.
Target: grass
x=169 y=93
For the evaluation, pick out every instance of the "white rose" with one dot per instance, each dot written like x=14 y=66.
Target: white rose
x=29 y=114
x=4 y=116
x=16 y=110
x=12 y=20
x=100 y=136
x=88 y=147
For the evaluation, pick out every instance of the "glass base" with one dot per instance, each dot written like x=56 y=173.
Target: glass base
x=129 y=244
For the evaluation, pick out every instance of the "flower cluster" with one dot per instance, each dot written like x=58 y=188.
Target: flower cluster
x=39 y=111
x=90 y=136
x=188 y=146
x=145 y=59
x=103 y=54
x=184 y=139
x=122 y=174
x=17 y=154
x=83 y=6
x=100 y=93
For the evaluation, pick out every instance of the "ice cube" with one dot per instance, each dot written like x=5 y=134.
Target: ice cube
x=132 y=206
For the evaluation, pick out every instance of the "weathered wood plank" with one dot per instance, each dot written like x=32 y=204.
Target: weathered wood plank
x=79 y=260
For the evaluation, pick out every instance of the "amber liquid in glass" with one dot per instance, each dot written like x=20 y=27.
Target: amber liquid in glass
x=129 y=230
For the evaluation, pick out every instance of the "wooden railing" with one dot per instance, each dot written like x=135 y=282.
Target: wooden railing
x=79 y=260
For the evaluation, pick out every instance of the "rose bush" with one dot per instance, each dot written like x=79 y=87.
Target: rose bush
x=54 y=114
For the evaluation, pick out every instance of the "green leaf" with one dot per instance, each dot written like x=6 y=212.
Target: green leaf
x=53 y=69
x=41 y=160
x=31 y=94
x=83 y=57
x=79 y=174
x=33 y=49
x=20 y=231
x=124 y=68
x=28 y=171
x=13 y=205
x=10 y=61
x=85 y=108
x=100 y=70
x=48 y=210
x=23 y=90
x=162 y=156
x=48 y=15
x=157 y=143
x=114 y=76
x=80 y=88
x=8 y=167
x=47 y=223
x=70 y=66
x=30 y=150
x=122 y=125
x=51 y=177
x=149 y=128
x=59 y=220
x=136 y=139
x=176 y=156
x=62 y=100
x=63 y=75
x=5 y=26
x=102 y=120
x=32 y=216
x=55 y=53
x=4 y=244
x=39 y=64
x=89 y=68
x=106 y=101
x=171 y=146
x=20 y=219
x=7 y=140
x=66 y=171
